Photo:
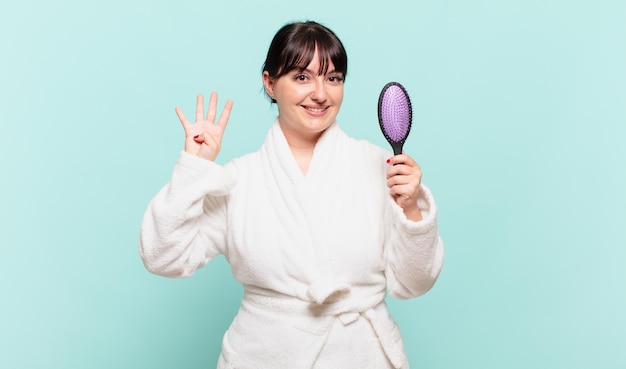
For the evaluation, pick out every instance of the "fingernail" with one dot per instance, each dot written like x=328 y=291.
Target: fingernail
x=388 y=161
x=196 y=136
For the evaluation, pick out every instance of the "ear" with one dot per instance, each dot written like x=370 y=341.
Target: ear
x=268 y=83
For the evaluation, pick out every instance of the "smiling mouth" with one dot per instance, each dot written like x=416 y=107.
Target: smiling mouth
x=315 y=110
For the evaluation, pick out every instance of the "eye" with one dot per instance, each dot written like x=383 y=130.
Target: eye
x=335 y=79
x=300 y=77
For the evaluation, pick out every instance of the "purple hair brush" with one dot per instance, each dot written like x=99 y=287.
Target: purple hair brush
x=395 y=115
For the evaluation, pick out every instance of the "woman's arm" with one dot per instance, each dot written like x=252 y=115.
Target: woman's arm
x=414 y=251
x=185 y=224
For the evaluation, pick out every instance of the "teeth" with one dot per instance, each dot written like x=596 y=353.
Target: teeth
x=315 y=110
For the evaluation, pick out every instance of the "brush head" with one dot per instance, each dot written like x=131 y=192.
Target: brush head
x=395 y=114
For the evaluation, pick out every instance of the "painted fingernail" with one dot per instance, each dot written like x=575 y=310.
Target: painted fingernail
x=388 y=161
x=196 y=136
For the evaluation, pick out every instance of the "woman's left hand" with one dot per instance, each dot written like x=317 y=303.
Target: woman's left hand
x=403 y=179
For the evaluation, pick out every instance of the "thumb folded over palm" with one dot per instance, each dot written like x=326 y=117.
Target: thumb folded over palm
x=204 y=137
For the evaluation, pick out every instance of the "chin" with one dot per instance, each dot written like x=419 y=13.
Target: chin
x=321 y=126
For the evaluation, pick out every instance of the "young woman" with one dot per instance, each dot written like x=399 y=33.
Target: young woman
x=316 y=225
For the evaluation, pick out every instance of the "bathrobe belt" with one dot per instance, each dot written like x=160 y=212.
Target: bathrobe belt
x=327 y=299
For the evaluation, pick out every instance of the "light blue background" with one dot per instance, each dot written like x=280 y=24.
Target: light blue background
x=519 y=125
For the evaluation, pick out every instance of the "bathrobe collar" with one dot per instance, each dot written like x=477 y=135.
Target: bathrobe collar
x=285 y=161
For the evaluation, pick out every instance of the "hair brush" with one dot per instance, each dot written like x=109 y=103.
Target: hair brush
x=395 y=115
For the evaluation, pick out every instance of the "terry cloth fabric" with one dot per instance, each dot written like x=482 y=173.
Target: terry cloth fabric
x=315 y=253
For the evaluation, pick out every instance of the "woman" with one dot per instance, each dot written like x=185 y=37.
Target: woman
x=315 y=225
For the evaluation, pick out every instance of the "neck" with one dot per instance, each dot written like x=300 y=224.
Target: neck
x=299 y=140
x=303 y=157
x=302 y=147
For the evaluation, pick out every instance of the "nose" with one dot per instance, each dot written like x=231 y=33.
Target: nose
x=319 y=90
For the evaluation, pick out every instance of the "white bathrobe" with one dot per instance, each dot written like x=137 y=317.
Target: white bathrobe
x=315 y=253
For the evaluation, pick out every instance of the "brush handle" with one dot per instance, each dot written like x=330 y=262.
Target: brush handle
x=397 y=147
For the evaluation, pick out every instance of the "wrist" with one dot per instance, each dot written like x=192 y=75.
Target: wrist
x=412 y=213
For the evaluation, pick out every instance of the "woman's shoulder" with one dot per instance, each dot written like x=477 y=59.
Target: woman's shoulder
x=365 y=147
x=243 y=163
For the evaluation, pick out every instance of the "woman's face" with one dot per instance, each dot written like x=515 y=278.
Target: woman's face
x=308 y=103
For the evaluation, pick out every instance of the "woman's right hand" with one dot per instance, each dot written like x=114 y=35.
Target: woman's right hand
x=204 y=138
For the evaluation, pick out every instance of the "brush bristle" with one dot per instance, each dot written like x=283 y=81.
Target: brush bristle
x=394 y=110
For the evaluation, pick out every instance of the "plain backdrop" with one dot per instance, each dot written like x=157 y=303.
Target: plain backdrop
x=519 y=126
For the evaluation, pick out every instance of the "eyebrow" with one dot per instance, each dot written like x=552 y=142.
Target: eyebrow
x=310 y=71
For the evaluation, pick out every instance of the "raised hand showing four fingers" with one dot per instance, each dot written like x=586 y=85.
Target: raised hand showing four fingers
x=204 y=138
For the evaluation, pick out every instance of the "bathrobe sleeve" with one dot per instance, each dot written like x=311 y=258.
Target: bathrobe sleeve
x=414 y=251
x=185 y=224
